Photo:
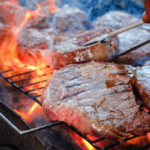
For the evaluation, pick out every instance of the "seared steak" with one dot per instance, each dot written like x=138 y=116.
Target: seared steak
x=34 y=45
x=59 y=51
x=143 y=84
x=96 y=98
x=116 y=20
x=72 y=51
x=70 y=18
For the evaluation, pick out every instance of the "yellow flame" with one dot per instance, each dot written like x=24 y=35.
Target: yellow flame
x=88 y=145
x=32 y=108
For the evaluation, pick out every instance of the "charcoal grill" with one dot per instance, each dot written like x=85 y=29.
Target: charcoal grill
x=10 y=138
x=36 y=99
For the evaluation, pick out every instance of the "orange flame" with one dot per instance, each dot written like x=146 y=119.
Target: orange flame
x=9 y=57
x=32 y=108
x=88 y=145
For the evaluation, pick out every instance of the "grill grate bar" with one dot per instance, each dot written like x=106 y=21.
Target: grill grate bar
x=25 y=73
x=98 y=140
x=31 y=83
x=37 y=96
x=29 y=78
x=22 y=90
x=21 y=74
x=12 y=69
x=35 y=89
x=117 y=143
x=84 y=136
x=93 y=143
x=7 y=71
x=22 y=80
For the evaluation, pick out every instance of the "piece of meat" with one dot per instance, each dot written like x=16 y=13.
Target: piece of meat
x=72 y=51
x=116 y=20
x=96 y=98
x=70 y=18
x=4 y=32
x=142 y=84
x=13 y=14
x=59 y=51
x=34 y=45
x=129 y=39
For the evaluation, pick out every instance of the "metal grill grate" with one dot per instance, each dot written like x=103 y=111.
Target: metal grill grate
x=27 y=82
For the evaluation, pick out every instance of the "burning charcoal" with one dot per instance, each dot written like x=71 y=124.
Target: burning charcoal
x=142 y=84
x=128 y=39
x=72 y=51
x=70 y=18
x=96 y=98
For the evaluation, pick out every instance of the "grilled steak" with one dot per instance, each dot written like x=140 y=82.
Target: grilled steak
x=31 y=43
x=142 y=84
x=116 y=20
x=96 y=98
x=59 y=51
x=70 y=18
x=72 y=51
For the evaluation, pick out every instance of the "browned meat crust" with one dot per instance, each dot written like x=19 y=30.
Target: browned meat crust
x=96 y=98
x=72 y=51
x=59 y=51
x=142 y=84
x=31 y=43
x=116 y=20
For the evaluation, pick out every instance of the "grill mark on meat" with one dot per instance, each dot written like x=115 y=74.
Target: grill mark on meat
x=73 y=78
x=126 y=88
x=76 y=85
x=106 y=112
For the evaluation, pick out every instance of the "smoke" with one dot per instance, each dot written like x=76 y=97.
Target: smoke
x=96 y=8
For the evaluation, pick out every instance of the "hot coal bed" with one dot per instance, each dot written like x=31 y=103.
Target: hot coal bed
x=60 y=136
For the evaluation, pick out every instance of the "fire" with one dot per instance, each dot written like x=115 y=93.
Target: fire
x=32 y=108
x=29 y=115
x=88 y=145
x=146 y=110
x=9 y=57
